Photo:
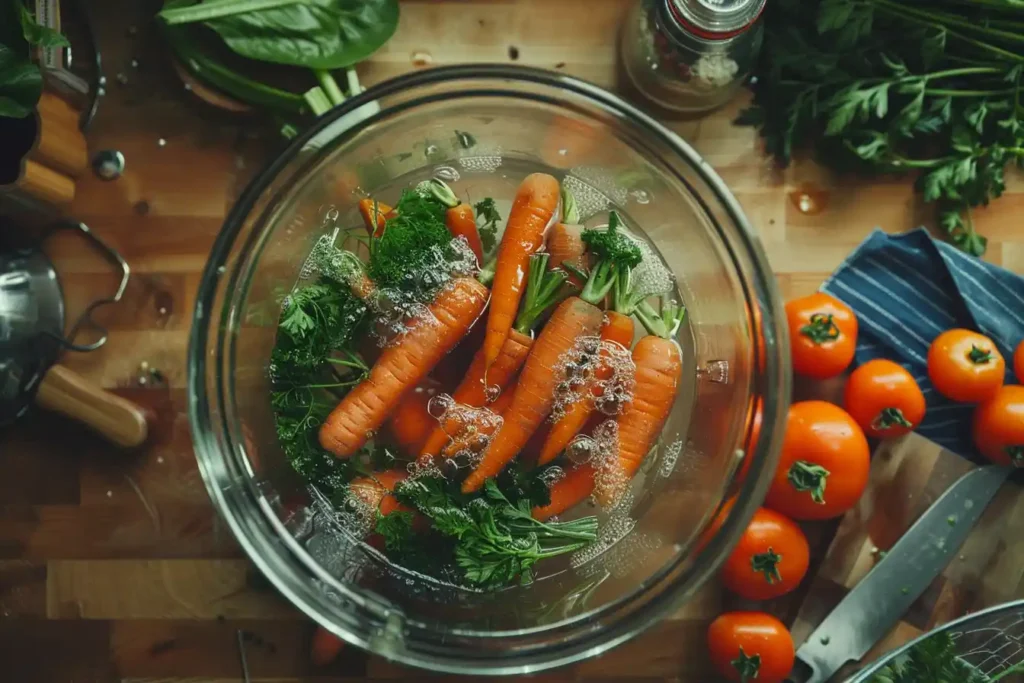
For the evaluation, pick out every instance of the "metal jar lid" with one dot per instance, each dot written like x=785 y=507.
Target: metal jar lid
x=719 y=18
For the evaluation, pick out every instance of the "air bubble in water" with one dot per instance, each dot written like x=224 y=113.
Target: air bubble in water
x=669 y=458
x=445 y=173
x=481 y=164
x=641 y=196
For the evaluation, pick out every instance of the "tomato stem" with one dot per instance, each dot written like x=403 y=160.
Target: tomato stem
x=767 y=563
x=806 y=476
x=979 y=356
x=820 y=329
x=1016 y=454
x=889 y=418
x=747 y=667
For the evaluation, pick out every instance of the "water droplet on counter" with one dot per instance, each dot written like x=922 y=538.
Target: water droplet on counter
x=809 y=200
x=421 y=58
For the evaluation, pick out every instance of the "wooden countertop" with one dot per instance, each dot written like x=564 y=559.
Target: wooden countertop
x=114 y=566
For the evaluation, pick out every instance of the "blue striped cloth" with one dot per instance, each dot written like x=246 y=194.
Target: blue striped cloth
x=906 y=289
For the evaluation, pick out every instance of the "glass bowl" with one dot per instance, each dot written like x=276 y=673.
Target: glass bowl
x=488 y=125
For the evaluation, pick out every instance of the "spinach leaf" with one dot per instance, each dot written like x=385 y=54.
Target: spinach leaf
x=317 y=34
x=21 y=82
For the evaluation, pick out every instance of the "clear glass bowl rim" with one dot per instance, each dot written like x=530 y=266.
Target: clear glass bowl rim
x=587 y=643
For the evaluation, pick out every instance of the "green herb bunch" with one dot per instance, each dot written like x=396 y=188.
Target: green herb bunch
x=496 y=539
x=21 y=82
x=935 y=660
x=899 y=86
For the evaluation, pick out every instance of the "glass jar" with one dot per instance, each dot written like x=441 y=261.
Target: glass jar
x=691 y=56
x=485 y=127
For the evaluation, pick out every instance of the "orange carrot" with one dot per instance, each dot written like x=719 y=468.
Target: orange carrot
x=458 y=218
x=376 y=491
x=402 y=366
x=659 y=369
x=535 y=391
x=617 y=328
x=462 y=223
x=325 y=647
x=473 y=392
x=544 y=289
x=375 y=215
x=411 y=424
x=573 y=488
x=470 y=433
x=532 y=211
x=565 y=244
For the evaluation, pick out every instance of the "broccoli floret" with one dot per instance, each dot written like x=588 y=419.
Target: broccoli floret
x=612 y=245
x=616 y=253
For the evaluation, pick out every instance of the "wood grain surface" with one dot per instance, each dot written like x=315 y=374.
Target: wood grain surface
x=115 y=567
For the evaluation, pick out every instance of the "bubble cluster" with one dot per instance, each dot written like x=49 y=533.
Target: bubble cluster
x=652 y=277
x=610 y=533
x=480 y=164
x=669 y=458
x=589 y=200
x=469 y=429
x=599 y=372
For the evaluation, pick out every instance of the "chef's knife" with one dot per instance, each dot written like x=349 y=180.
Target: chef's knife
x=877 y=602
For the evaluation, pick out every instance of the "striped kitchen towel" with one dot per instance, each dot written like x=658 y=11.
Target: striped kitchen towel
x=906 y=289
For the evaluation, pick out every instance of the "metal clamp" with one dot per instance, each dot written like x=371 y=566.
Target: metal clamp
x=86 y=319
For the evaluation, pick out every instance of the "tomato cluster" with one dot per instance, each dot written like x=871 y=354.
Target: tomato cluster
x=823 y=468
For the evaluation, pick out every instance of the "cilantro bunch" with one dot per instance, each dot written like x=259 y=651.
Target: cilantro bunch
x=899 y=86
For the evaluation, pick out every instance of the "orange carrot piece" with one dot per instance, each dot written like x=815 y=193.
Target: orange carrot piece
x=659 y=368
x=375 y=490
x=375 y=215
x=465 y=439
x=532 y=211
x=473 y=392
x=462 y=223
x=575 y=487
x=411 y=424
x=325 y=647
x=565 y=244
x=535 y=392
x=402 y=366
x=617 y=328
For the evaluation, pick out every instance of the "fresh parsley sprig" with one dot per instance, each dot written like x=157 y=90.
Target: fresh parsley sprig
x=497 y=541
x=892 y=87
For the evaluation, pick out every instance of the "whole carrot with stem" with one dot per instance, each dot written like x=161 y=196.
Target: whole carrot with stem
x=659 y=368
x=534 y=394
x=532 y=212
x=458 y=216
x=544 y=289
x=402 y=366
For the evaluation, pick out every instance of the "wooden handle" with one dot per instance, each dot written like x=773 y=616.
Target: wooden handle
x=42 y=182
x=61 y=146
x=116 y=419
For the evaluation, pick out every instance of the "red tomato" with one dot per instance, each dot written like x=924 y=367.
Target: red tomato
x=999 y=426
x=751 y=647
x=884 y=399
x=823 y=468
x=965 y=366
x=1018 y=362
x=823 y=334
x=770 y=560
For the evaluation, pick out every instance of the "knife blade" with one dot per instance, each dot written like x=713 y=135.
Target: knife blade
x=877 y=602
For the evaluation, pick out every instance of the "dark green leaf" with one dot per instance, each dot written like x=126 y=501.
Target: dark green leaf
x=317 y=34
x=36 y=34
x=975 y=115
